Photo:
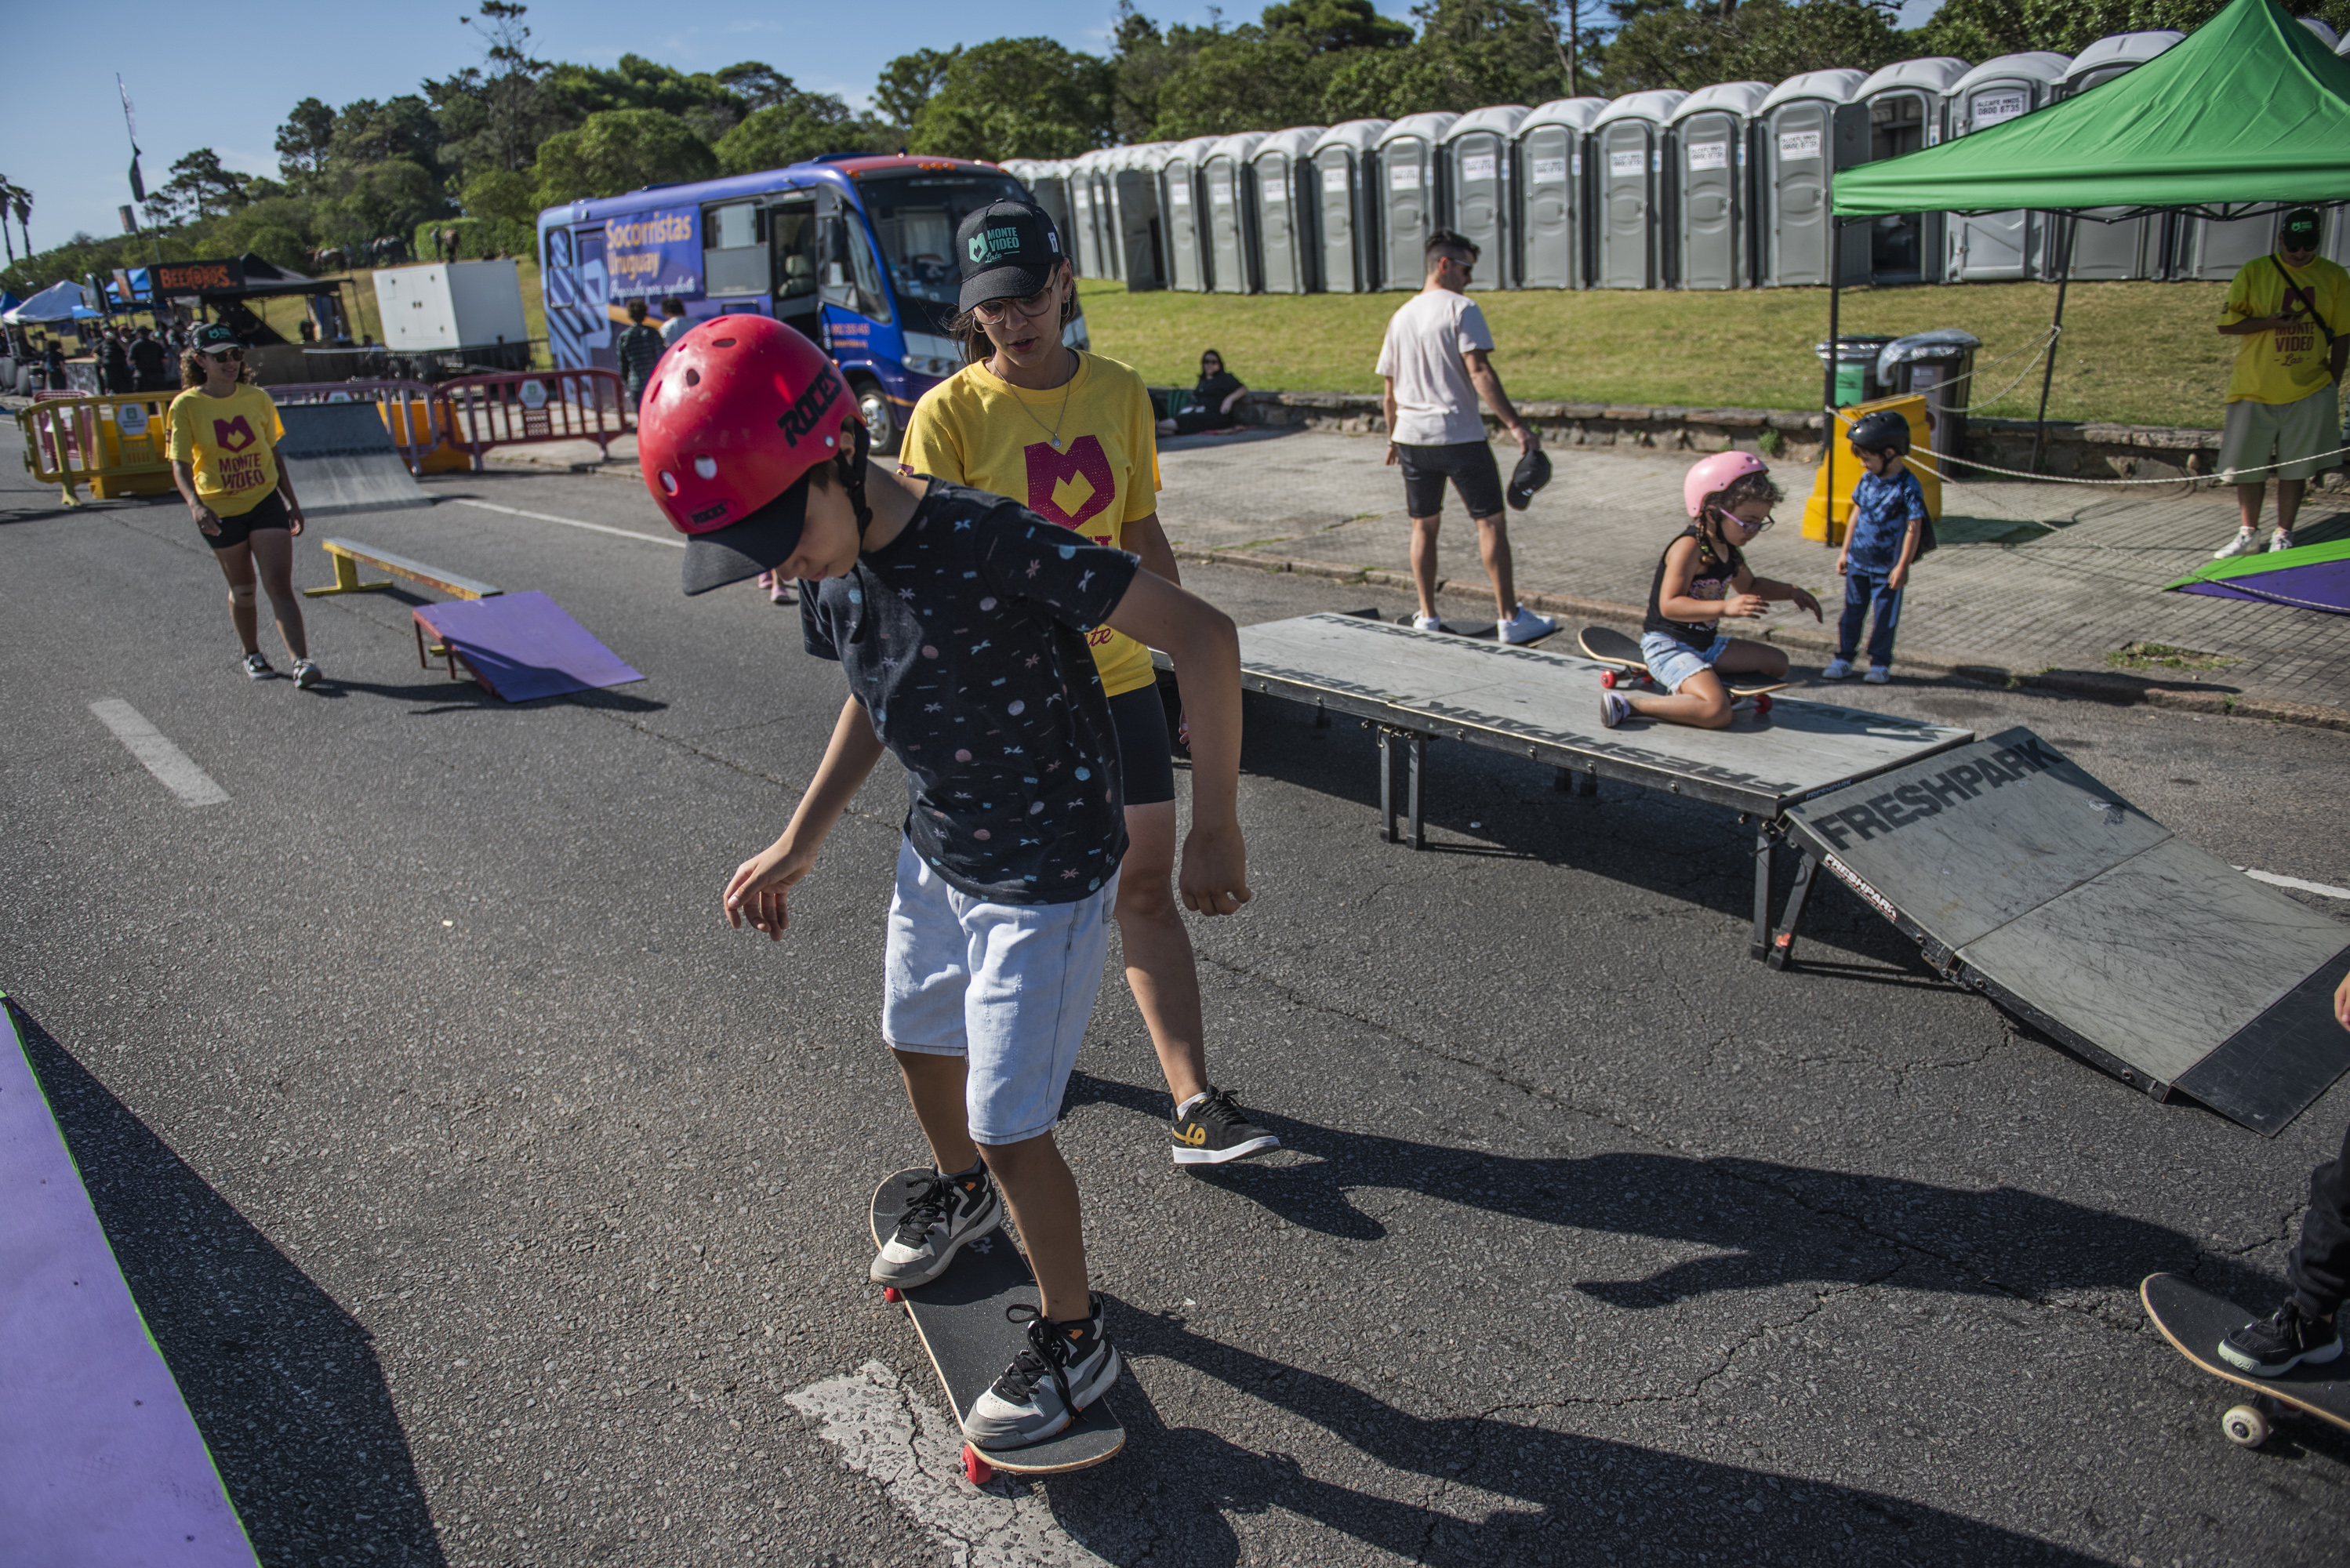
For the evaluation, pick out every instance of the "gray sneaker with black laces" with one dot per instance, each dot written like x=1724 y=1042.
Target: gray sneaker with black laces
x=941 y=1215
x=1066 y=1366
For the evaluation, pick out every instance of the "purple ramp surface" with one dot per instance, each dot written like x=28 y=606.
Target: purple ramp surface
x=100 y=1463
x=524 y=646
x=2322 y=585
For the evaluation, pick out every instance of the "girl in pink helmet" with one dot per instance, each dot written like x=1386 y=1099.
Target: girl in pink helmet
x=1701 y=580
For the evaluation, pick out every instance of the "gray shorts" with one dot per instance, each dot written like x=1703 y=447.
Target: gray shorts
x=1672 y=661
x=1009 y=987
x=2288 y=436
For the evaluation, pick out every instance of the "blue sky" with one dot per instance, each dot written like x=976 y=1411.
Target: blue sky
x=226 y=80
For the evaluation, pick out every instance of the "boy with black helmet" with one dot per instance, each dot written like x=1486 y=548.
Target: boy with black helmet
x=960 y=620
x=1888 y=524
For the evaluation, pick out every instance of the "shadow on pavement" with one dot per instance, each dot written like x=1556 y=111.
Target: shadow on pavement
x=1771 y=1224
x=283 y=1382
x=1562 y=1497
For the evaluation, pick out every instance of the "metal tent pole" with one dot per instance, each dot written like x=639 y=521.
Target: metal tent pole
x=2055 y=335
x=1828 y=395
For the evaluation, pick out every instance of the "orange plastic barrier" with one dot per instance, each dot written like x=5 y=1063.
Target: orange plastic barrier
x=112 y=444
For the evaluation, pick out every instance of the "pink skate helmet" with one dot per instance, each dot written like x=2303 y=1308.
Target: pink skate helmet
x=1713 y=475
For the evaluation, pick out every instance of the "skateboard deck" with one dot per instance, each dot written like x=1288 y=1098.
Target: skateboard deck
x=959 y=1317
x=1622 y=655
x=2195 y=1321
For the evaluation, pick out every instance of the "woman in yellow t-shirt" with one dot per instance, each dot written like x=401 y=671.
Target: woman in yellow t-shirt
x=224 y=451
x=1072 y=436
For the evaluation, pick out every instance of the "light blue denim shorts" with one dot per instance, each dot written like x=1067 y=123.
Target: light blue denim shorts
x=1010 y=987
x=1672 y=661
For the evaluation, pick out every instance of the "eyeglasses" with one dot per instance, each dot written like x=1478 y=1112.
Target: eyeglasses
x=1751 y=528
x=993 y=312
x=222 y=355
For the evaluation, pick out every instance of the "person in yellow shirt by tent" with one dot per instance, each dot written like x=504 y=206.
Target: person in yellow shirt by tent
x=2291 y=308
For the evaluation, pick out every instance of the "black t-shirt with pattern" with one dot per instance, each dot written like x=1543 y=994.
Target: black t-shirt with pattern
x=964 y=638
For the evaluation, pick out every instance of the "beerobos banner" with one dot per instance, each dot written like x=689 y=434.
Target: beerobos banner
x=655 y=253
x=198 y=276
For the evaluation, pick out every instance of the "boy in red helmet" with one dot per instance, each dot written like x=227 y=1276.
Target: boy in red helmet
x=961 y=621
x=1701 y=579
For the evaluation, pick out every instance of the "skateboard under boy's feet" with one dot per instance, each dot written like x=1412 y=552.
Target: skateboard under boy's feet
x=960 y=1319
x=1628 y=666
x=2195 y=1322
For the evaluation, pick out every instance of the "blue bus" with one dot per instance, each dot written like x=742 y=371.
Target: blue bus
x=856 y=250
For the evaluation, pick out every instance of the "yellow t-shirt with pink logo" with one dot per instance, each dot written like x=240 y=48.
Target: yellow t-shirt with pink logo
x=233 y=443
x=976 y=429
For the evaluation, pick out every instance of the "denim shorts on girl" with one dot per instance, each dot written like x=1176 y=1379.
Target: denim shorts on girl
x=1672 y=661
x=1010 y=987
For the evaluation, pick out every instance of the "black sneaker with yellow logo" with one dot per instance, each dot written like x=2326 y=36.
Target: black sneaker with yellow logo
x=1213 y=1128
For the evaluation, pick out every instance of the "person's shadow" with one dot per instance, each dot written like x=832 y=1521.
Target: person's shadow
x=284 y=1385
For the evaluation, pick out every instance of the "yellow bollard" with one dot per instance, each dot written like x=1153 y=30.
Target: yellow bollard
x=1828 y=528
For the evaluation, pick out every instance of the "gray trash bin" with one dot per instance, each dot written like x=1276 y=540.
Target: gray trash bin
x=1940 y=367
x=1855 y=379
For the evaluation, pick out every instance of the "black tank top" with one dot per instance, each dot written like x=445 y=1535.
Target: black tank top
x=1710 y=581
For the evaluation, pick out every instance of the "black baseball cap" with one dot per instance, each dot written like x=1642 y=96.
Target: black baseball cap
x=213 y=338
x=2300 y=229
x=1006 y=249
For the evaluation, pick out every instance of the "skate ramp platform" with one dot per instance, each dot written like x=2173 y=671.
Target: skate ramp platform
x=100 y=1463
x=2020 y=875
x=519 y=646
x=342 y=459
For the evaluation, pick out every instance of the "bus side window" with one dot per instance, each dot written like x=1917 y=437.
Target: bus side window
x=734 y=251
x=793 y=223
x=851 y=280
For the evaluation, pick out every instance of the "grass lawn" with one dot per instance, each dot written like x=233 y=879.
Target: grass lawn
x=2133 y=353
x=288 y=313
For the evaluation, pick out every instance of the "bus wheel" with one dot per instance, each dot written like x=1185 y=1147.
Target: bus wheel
x=882 y=430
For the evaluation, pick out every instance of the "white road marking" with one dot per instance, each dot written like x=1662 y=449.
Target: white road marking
x=568 y=521
x=178 y=773
x=914 y=1453
x=2321 y=890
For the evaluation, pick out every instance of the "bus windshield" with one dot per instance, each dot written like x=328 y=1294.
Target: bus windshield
x=915 y=217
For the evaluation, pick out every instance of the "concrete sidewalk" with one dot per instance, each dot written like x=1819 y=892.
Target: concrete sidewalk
x=2033 y=581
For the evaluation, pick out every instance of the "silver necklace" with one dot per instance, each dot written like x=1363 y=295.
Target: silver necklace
x=1054 y=433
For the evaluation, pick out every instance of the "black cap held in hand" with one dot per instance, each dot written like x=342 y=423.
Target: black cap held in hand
x=1531 y=474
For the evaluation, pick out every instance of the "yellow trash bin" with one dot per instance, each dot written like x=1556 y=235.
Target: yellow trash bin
x=1829 y=528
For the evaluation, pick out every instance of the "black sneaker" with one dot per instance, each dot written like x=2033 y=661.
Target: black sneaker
x=1216 y=1130
x=257 y=668
x=2275 y=1346
x=944 y=1212
x=1066 y=1366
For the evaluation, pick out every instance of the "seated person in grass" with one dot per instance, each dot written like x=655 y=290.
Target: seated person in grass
x=1701 y=580
x=1213 y=398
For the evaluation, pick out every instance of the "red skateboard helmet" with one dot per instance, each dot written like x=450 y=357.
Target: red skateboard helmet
x=738 y=412
x=1713 y=474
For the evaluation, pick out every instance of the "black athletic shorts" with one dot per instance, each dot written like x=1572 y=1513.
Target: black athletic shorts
x=1469 y=465
x=1146 y=755
x=269 y=511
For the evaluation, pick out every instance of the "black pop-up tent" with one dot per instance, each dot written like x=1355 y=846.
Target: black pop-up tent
x=2248 y=115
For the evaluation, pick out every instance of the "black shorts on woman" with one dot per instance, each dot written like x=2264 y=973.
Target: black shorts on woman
x=265 y=514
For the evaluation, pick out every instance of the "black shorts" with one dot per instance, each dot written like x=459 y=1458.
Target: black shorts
x=269 y=511
x=1469 y=465
x=1146 y=754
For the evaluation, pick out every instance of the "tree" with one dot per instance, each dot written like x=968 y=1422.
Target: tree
x=199 y=187
x=759 y=86
x=500 y=193
x=1018 y=98
x=619 y=150
x=1142 y=59
x=910 y=81
x=1982 y=29
x=1270 y=74
x=304 y=139
x=701 y=101
x=1670 y=43
x=371 y=132
x=1470 y=53
x=510 y=87
x=809 y=124
x=1329 y=27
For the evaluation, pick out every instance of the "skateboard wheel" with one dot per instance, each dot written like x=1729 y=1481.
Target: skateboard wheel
x=979 y=1471
x=1762 y=703
x=1610 y=679
x=2246 y=1427
x=891 y=1294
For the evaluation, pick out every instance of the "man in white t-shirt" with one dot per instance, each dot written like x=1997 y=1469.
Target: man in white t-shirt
x=1435 y=367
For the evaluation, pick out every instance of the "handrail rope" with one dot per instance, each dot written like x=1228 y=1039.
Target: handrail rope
x=2233 y=476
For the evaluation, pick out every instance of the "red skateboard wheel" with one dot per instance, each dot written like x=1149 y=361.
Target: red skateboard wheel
x=1608 y=679
x=889 y=1294
x=1762 y=703
x=979 y=1471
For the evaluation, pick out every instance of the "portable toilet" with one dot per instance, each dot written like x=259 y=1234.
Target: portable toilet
x=1904 y=102
x=1287 y=197
x=2134 y=247
x=1479 y=205
x=1082 y=235
x=1187 y=238
x=1806 y=128
x=1130 y=215
x=1709 y=139
x=1554 y=201
x=1632 y=211
x=1347 y=161
x=1413 y=176
x=1232 y=213
x=2213 y=251
x=1048 y=187
x=1989 y=247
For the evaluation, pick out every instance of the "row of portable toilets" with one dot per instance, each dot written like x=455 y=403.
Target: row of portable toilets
x=1724 y=188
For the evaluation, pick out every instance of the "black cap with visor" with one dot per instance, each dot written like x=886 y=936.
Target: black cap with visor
x=2299 y=231
x=1005 y=250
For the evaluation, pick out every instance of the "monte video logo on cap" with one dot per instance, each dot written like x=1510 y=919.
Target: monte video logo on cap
x=989 y=243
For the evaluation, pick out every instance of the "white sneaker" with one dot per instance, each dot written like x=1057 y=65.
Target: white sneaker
x=1526 y=626
x=1836 y=669
x=2243 y=543
x=1427 y=623
x=1879 y=674
x=2280 y=540
x=1614 y=709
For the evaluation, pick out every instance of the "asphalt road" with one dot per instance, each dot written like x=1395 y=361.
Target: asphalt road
x=494 y=1204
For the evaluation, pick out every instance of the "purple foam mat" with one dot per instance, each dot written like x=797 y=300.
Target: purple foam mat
x=100 y=1464
x=2320 y=585
x=523 y=646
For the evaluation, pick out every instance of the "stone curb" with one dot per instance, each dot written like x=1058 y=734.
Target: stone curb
x=2096 y=685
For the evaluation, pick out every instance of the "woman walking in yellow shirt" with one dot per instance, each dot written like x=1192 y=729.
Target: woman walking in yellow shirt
x=1072 y=436
x=224 y=451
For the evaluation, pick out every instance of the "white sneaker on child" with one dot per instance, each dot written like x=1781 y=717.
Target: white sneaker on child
x=2243 y=543
x=1879 y=674
x=2280 y=540
x=1835 y=668
x=1427 y=623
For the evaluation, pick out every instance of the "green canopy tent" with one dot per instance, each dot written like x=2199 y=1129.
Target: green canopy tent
x=2249 y=114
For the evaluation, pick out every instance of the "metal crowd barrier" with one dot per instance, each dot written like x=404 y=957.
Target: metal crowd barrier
x=114 y=444
x=518 y=408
